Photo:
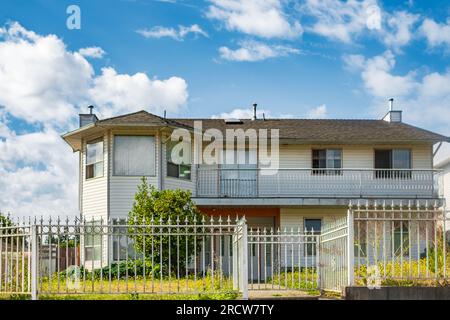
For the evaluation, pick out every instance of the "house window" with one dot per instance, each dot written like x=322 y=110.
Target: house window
x=134 y=155
x=183 y=170
x=401 y=238
x=94 y=159
x=327 y=160
x=93 y=241
x=386 y=161
x=312 y=226
x=122 y=245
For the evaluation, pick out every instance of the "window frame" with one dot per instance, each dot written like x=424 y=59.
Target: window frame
x=391 y=172
x=133 y=135
x=326 y=170
x=309 y=246
x=94 y=246
x=91 y=142
x=168 y=162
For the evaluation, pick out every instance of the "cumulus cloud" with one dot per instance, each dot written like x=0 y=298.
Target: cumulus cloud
x=319 y=112
x=176 y=34
x=399 y=31
x=345 y=21
x=256 y=51
x=42 y=84
x=122 y=93
x=265 y=19
x=378 y=78
x=424 y=98
x=342 y=20
x=92 y=52
x=436 y=34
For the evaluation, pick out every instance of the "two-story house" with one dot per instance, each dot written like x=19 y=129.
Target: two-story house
x=323 y=166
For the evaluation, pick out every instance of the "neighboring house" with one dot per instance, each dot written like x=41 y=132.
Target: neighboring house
x=324 y=165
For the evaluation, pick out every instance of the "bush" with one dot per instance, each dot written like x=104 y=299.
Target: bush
x=152 y=206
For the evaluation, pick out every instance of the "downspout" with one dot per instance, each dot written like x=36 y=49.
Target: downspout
x=437 y=149
x=160 y=162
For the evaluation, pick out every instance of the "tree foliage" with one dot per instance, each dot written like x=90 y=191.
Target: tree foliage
x=161 y=207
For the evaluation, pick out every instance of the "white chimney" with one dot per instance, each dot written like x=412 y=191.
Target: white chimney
x=393 y=115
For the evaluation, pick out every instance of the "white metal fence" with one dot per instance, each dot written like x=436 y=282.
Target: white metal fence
x=373 y=245
x=400 y=245
x=283 y=259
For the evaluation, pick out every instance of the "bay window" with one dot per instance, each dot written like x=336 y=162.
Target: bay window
x=134 y=155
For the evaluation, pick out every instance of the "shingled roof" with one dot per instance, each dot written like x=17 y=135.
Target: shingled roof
x=304 y=130
x=330 y=130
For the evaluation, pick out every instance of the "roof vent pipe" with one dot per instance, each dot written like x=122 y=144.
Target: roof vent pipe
x=393 y=115
x=254 y=111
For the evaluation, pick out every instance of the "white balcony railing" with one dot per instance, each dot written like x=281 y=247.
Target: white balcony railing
x=250 y=183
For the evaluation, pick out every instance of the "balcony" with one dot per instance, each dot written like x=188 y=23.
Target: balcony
x=213 y=182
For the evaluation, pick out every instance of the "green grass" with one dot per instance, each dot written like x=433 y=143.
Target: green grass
x=217 y=296
x=414 y=273
x=304 y=279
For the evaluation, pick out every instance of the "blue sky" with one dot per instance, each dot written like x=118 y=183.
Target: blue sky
x=295 y=58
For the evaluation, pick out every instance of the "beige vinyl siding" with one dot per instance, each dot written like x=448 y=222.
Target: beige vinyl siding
x=123 y=188
x=94 y=201
x=353 y=156
x=292 y=220
x=295 y=156
x=94 y=191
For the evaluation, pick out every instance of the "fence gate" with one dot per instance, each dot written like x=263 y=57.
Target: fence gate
x=336 y=254
x=15 y=260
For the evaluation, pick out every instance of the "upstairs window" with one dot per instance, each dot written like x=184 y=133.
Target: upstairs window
x=94 y=159
x=386 y=161
x=134 y=155
x=174 y=170
x=326 y=161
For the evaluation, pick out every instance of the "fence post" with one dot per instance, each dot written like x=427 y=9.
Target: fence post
x=244 y=260
x=34 y=263
x=350 y=248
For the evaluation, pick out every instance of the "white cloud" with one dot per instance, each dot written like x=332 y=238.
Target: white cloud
x=342 y=20
x=176 y=34
x=92 y=52
x=437 y=34
x=424 y=98
x=39 y=79
x=345 y=21
x=265 y=19
x=122 y=93
x=319 y=112
x=399 y=30
x=239 y=113
x=42 y=83
x=378 y=78
x=256 y=51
